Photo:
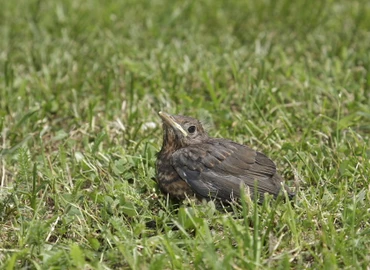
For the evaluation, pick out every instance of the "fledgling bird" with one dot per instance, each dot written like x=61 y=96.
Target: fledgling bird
x=192 y=163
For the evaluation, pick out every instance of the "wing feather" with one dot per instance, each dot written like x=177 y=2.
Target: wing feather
x=218 y=168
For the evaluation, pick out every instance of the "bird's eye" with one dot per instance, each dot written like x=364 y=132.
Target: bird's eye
x=191 y=129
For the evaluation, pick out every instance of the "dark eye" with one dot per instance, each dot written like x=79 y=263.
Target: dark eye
x=191 y=129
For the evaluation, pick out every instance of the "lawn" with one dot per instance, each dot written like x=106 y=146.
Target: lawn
x=81 y=83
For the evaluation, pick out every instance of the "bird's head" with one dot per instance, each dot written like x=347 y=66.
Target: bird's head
x=181 y=131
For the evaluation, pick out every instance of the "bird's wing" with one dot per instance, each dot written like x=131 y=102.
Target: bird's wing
x=219 y=167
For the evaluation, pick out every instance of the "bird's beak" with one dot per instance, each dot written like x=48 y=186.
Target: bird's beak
x=167 y=118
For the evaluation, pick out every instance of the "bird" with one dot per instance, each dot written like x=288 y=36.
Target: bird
x=191 y=163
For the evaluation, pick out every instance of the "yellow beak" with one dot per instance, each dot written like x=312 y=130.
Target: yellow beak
x=171 y=121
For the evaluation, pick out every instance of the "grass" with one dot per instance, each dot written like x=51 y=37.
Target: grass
x=81 y=83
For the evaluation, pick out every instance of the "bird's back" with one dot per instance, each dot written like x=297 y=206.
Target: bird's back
x=220 y=167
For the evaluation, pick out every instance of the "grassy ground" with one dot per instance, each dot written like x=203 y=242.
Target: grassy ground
x=81 y=83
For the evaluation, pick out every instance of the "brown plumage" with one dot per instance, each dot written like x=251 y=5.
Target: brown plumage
x=192 y=163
